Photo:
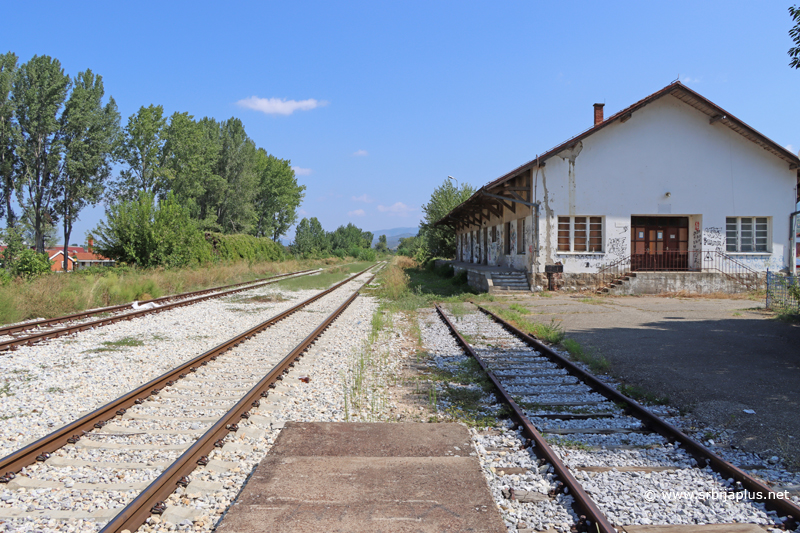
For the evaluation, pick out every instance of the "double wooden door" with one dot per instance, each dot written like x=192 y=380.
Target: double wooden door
x=660 y=243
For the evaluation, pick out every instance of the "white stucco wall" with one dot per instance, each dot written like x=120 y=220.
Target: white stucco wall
x=710 y=171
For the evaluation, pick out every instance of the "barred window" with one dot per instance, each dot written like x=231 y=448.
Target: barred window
x=520 y=236
x=747 y=234
x=580 y=234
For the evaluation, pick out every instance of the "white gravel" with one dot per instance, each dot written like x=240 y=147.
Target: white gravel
x=143 y=456
x=51 y=384
x=681 y=495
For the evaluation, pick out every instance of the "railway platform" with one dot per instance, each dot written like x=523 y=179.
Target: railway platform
x=376 y=477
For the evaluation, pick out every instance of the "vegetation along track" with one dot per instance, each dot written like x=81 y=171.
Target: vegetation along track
x=164 y=429
x=183 y=299
x=622 y=464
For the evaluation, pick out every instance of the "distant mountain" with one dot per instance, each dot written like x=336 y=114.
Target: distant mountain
x=394 y=235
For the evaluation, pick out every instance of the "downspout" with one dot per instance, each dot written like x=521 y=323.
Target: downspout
x=793 y=242
x=535 y=228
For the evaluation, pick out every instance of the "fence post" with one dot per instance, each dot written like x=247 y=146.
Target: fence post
x=767 y=302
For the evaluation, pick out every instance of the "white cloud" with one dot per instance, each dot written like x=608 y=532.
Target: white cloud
x=398 y=208
x=687 y=79
x=360 y=153
x=279 y=106
x=302 y=211
x=356 y=213
x=300 y=171
x=790 y=148
x=363 y=198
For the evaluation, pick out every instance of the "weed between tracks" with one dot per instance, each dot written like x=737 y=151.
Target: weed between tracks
x=324 y=279
x=551 y=333
x=642 y=395
x=113 y=346
x=370 y=372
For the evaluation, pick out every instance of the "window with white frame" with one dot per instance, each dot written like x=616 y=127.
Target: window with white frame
x=580 y=234
x=747 y=234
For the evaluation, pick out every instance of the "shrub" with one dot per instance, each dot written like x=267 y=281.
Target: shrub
x=248 y=247
x=366 y=254
x=30 y=264
x=147 y=234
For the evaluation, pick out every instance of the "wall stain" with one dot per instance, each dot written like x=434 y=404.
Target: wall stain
x=570 y=155
x=548 y=221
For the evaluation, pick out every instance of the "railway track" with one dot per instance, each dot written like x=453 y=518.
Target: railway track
x=617 y=464
x=127 y=457
x=11 y=342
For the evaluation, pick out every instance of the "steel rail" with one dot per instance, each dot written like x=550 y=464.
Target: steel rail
x=785 y=507
x=68 y=330
x=72 y=432
x=582 y=500
x=152 y=498
x=17 y=328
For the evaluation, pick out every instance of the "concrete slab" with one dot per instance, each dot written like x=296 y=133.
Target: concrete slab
x=339 y=487
x=358 y=439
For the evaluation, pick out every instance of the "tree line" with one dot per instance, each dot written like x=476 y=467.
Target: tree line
x=311 y=240
x=61 y=140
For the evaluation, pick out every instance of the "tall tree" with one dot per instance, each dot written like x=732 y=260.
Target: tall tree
x=141 y=150
x=278 y=196
x=39 y=90
x=794 y=33
x=190 y=160
x=441 y=241
x=88 y=133
x=236 y=213
x=8 y=136
x=350 y=236
x=381 y=245
x=310 y=238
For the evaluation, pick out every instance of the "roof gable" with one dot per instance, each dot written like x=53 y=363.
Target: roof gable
x=687 y=96
x=675 y=89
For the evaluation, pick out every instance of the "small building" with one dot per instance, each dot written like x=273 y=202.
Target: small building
x=673 y=186
x=77 y=258
x=57 y=260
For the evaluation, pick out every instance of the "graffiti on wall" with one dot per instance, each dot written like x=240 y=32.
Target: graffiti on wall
x=713 y=238
x=697 y=240
x=618 y=247
x=513 y=239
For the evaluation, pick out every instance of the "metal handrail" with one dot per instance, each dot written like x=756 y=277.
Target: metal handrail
x=676 y=261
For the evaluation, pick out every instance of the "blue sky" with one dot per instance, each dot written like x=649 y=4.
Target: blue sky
x=375 y=103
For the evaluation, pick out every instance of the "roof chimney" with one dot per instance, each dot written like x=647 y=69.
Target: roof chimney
x=598 y=113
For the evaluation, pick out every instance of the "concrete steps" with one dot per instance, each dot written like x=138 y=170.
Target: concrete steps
x=510 y=281
x=616 y=283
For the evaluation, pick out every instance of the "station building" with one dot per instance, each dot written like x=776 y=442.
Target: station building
x=673 y=189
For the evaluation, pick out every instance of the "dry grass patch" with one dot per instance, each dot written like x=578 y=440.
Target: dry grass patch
x=59 y=294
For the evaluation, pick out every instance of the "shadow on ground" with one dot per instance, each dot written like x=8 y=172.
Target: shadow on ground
x=712 y=358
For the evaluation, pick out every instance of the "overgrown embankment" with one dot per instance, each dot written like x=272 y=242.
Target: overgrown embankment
x=54 y=295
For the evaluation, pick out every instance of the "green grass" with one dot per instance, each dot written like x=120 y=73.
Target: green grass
x=6 y=389
x=593 y=301
x=322 y=280
x=596 y=363
x=551 y=332
x=641 y=395
x=520 y=309
x=566 y=443
x=113 y=346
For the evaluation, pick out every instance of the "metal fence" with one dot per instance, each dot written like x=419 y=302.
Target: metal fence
x=783 y=292
x=679 y=261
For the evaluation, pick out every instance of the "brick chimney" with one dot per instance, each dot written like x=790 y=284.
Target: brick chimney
x=598 y=113
x=90 y=240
